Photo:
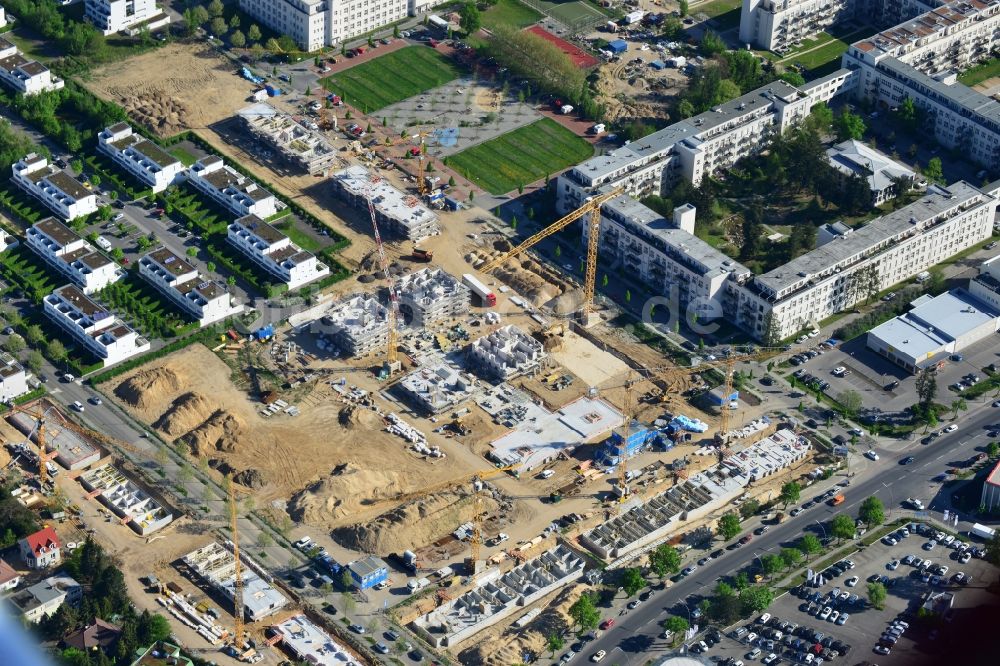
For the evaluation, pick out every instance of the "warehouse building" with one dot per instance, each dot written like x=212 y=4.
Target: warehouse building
x=397 y=213
x=430 y=296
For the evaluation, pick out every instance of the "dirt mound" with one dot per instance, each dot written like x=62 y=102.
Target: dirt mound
x=411 y=525
x=186 y=413
x=148 y=388
x=251 y=478
x=222 y=431
x=520 y=275
x=352 y=416
x=508 y=647
x=342 y=493
x=161 y=113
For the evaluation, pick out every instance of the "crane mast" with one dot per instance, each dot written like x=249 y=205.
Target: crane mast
x=238 y=568
x=392 y=355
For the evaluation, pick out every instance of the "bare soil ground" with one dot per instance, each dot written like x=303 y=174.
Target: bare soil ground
x=189 y=399
x=198 y=88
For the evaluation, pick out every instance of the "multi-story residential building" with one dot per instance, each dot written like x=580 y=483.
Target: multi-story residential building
x=45 y=598
x=275 y=252
x=691 y=148
x=505 y=353
x=111 y=16
x=93 y=326
x=778 y=25
x=63 y=194
x=141 y=158
x=886 y=177
x=3 y=18
x=314 y=24
x=207 y=301
x=13 y=378
x=397 y=212
x=299 y=146
x=25 y=76
x=432 y=295
x=41 y=550
x=356 y=325
x=883 y=252
x=231 y=189
x=64 y=250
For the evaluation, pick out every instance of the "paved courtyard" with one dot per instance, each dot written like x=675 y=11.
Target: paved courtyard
x=457 y=115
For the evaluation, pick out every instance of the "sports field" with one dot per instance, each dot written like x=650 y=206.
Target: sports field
x=573 y=14
x=521 y=157
x=510 y=12
x=390 y=78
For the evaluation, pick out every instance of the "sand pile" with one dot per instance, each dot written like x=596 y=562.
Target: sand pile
x=342 y=493
x=222 y=431
x=148 y=388
x=508 y=647
x=186 y=413
x=160 y=112
x=354 y=417
x=411 y=525
x=522 y=275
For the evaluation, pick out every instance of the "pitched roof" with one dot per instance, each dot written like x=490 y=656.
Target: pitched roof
x=99 y=634
x=7 y=573
x=44 y=538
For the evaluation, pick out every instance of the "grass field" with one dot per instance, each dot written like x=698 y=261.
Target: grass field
x=570 y=13
x=521 y=157
x=186 y=158
x=980 y=73
x=725 y=14
x=393 y=77
x=830 y=51
x=510 y=12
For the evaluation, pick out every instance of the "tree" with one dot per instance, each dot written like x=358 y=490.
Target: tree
x=33 y=335
x=933 y=171
x=632 y=581
x=851 y=401
x=272 y=45
x=876 y=595
x=685 y=109
x=772 y=564
x=992 y=449
x=926 y=387
x=256 y=52
x=810 y=545
x=215 y=8
x=712 y=44
x=820 y=118
x=192 y=252
x=395 y=31
x=908 y=114
x=264 y=540
x=470 y=20
x=790 y=493
x=199 y=15
x=237 y=39
x=958 y=405
x=848 y=126
x=584 y=612
x=993 y=549
x=729 y=526
x=15 y=344
x=872 y=511
x=628 y=296
x=676 y=624
x=790 y=557
x=34 y=361
x=218 y=26
x=842 y=527
x=749 y=508
x=254 y=32
x=756 y=598
x=683 y=8
x=554 y=642
x=664 y=559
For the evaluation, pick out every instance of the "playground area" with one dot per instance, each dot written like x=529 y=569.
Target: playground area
x=457 y=115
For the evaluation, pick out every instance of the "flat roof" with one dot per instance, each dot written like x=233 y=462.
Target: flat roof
x=57 y=231
x=68 y=184
x=311 y=644
x=170 y=262
x=853 y=246
x=73 y=295
x=261 y=229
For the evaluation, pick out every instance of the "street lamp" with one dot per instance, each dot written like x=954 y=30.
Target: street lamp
x=825 y=537
x=891 y=499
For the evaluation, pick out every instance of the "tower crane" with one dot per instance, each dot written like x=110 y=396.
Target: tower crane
x=237 y=567
x=421 y=182
x=392 y=364
x=39 y=434
x=592 y=207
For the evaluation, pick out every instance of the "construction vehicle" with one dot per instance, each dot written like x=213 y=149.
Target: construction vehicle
x=419 y=254
x=484 y=293
x=592 y=207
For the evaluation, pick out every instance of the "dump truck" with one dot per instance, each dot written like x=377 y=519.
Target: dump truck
x=420 y=254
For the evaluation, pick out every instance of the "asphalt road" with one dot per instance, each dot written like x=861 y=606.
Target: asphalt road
x=634 y=638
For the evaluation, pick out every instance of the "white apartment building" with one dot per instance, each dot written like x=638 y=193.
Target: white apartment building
x=44 y=598
x=275 y=252
x=111 y=16
x=691 y=148
x=61 y=193
x=777 y=25
x=25 y=76
x=892 y=248
x=231 y=189
x=13 y=378
x=67 y=252
x=207 y=301
x=314 y=24
x=93 y=326
x=143 y=159
x=3 y=18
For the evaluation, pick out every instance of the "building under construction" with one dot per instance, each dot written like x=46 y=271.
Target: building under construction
x=72 y=451
x=432 y=295
x=357 y=325
x=505 y=353
x=437 y=387
x=216 y=565
x=301 y=147
x=130 y=502
x=397 y=213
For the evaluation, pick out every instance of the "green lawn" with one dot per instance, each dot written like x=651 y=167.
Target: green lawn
x=393 y=77
x=980 y=73
x=521 y=157
x=146 y=308
x=301 y=238
x=186 y=158
x=510 y=12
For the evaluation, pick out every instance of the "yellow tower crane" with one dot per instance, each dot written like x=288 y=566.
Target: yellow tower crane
x=591 y=206
x=39 y=432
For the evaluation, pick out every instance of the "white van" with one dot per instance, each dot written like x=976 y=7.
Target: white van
x=103 y=243
x=922 y=277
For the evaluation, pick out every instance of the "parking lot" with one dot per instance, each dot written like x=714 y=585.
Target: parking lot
x=793 y=620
